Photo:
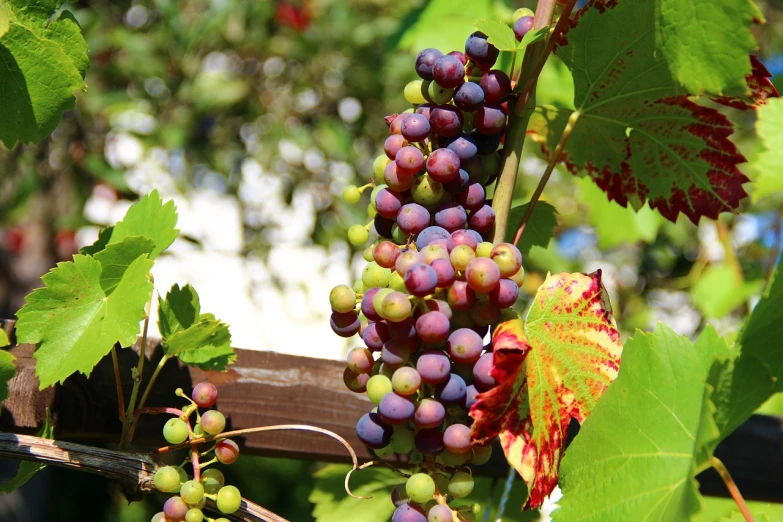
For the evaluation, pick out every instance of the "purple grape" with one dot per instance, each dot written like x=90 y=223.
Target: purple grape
x=485 y=314
x=413 y=218
x=175 y=509
x=505 y=294
x=440 y=513
x=456 y=438
x=451 y=216
x=484 y=381
x=356 y=382
x=480 y=51
x=489 y=119
x=383 y=226
x=429 y=441
x=448 y=71
x=444 y=271
x=415 y=128
x=443 y=165
x=469 y=97
x=406 y=260
x=393 y=144
x=433 y=366
x=388 y=203
x=368 y=309
x=429 y=414
x=360 y=360
x=481 y=330
x=470 y=396
x=430 y=234
x=407 y=512
x=395 y=409
x=465 y=147
x=396 y=179
x=433 y=327
x=395 y=353
x=482 y=220
x=403 y=330
x=482 y=275
x=421 y=280
x=472 y=198
x=409 y=160
x=385 y=254
x=465 y=346
x=373 y=432
x=462 y=237
x=460 y=56
x=522 y=27
x=485 y=143
x=437 y=305
x=395 y=127
x=345 y=325
x=425 y=109
x=496 y=86
x=446 y=120
x=460 y=296
x=459 y=182
x=425 y=61
x=452 y=391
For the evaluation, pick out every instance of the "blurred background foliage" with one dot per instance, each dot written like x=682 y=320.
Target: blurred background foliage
x=265 y=110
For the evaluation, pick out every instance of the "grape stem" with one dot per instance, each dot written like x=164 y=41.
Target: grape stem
x=146 y=394
x=158 y=410
x=732 y=487
x=118 y=379
x=129 y=422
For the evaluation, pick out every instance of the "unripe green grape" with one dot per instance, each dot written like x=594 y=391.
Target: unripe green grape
x=228 y=499
x=351 y=194
x=222 y=519
x=454 y=459
x=183 y=477
x=378 y=166
x=377 y=300
x=426 y=191
x=484 y=249
x=384 y=452
x=420 y=488
x=194 y=515
x=212 y=479
x=377 y=387
x=213 y=422
x=375 y=275
x=396 y=307
x=461 y=256
x=358 y=235
x=439 y=94
x=367 y=254
x=402 y=440
x=481 y=454
x=371 y=211
x=412 y=93
x=387 y=371
x=461 y=484
x=397 y=283
x=175 y=431
x=358 y=287
x=167 y=479
x=191 y=492
x=425 y=89
x=342 y=299
x=398 y=235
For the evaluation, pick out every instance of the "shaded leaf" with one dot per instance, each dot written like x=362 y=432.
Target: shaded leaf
x=73 y=321
x=550 y=369
x=28 y=469
x=540 y=229
x=716 y=508
x=498 y=34
x=151 y=218
x=768 y=175
x=104 y=236
x=178 y=311
x=206 y=344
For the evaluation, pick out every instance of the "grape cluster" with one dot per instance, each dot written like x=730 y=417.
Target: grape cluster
x=206 y=483
x=433 y=287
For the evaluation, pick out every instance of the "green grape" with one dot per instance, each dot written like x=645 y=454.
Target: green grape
x=194 y=515
x=412 y=93
x=167 y=479
x=212 y=479
x=475 y=508
x=380 y=295
x=367 y=254
x=402 y=440
x=378 y=166
x=377 y=387
x=183 y=477
x=371 y=211
x=397 y=283
x=175 y=431
x=398 y=235
x=213 y=422
x=395 y=307
x=358 y=235
x=191 y=492
x=461 y=484
x=481 y=454
x=454 y=459
x=439 y=94
x=426 y=191
x=228 y=499
x=358 y=287
x=420 y=488
x=222 y=519
x=484 y=249
x=351 y=194
x=461 y=256
x=342 y=299
x=384 y=452
x=519 y=277
x=375 y=275
x=416 y=458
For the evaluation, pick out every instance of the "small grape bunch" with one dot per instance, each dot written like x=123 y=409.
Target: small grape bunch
x=206 y=483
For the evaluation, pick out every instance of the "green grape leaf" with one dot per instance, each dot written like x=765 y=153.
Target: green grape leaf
x=716 y=508
x=498 y=34
x=4 y=340
x=117 y=257
x=766 y=171
x=616 y=225
x=720 y=289
x=149 y=217
x=178 y=311
x=637 y=131
x=550 y=369
x=540 y=229
x=73 y=321
x=454 y=21
x=635 y=458
x=331 y=504
x=26 y=468
x=533 y=36
x=104 y=236
x=205 y=344
x=43 y=65
x=5 y=21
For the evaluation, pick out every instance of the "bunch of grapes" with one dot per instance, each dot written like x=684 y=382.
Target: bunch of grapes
x=206 y=483
x=433 y=287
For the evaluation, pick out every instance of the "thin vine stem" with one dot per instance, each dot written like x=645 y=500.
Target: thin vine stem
x=130 y=420
x=553 y=161
x=147 y=390
x=732 y=487
x=118 y=379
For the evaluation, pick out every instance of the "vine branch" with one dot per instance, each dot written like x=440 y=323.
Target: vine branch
x=732 y=487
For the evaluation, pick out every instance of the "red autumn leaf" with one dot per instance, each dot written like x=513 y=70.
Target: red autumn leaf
x=551 y=368
x=761 y=88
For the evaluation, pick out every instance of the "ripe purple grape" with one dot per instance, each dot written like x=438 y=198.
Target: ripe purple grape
x=425 y=109
x=473 y=197
x=429 y=441
x=373 y=432
x=429 y=414
x=482 y=275
x=395 y=127
x=433 y=327
x=465 y=346
x=444 y=271
x=226 y=451
x=388 y=203
x=434 y=367
x=430 y=234
x=465 y=147
x=451 y=391
x=204 y=394
x=448 y=71
x=469 y=97
x=460 y=296
x=456 y=438
x=407 y=512
x=421 y=280
x=462 y=237
x=505 y=294
x=438 y=305
x=415 y=128
x=451 y=216
x=459 y=183
x=470 y=396
x=403 y=330
x=375 y=335
x=356 y=382
x=489 y=119
x=383 y=226
x=396 y=179
x=482 y=220
x=345 y=325
x=446 y=120
x=409 y=160
x=480 y=51
x=481 y=372
x=396 y=409
x=360 y=360
x=425 y=61
x=393 y=144
x=496 y=86
x=413 y=218
x=443 y=165
x=396 y=353
x=523 y=26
